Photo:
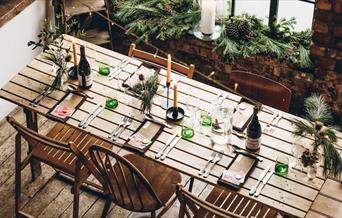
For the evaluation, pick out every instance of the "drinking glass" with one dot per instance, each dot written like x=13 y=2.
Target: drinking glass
x=298 y=147
x=187 y=131
x=192 y=105
x=124 y=91
x=282 y=165
x=222 y=124
x=112 y=103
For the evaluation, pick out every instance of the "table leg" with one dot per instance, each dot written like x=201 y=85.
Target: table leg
x=32 y=123
x=191 y=183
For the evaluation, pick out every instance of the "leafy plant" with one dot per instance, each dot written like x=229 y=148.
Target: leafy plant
x=146 y=89
x=318 y=114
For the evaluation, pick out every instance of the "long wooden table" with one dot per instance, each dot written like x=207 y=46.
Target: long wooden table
x=291 y=193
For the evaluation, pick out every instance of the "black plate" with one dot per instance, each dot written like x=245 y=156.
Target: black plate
x=175 y=114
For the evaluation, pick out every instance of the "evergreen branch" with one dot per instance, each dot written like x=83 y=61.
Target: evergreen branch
x=303 y=128
x=332 y=160
x=317 y=109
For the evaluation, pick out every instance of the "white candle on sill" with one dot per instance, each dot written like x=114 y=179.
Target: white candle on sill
x=207 y=24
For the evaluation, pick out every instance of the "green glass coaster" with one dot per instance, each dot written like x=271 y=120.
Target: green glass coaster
x=104 y=70
x=282 y=165
x=205 y=120
x=112 y=103
x=187 y=133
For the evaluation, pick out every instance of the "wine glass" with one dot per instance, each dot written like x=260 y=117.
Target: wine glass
x=123 y=87
x=298 y=147
x=192 y=104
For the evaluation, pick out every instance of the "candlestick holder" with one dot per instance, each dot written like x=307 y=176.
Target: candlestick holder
x=175 y=114
x=166 y=104
x=207 y=37
x=73 y=72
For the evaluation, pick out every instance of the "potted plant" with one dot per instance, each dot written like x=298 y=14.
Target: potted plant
x=318 y=117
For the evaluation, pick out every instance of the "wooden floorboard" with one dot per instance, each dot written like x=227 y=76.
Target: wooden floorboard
x=49 y=196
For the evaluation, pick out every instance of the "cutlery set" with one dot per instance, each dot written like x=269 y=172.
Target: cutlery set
x=118 y=69
x=214 y=158
x=41 y=96
x=116 y=133
x=220 y=97
x=169 y=145
x=274 y=121
x=263 y=179
x=94 y=113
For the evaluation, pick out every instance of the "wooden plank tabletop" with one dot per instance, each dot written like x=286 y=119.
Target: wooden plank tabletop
x=291 y=193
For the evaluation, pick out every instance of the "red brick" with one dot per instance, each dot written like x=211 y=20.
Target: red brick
x=338 y=31
x=339 y=66
x=322 y=15
x=338 y=7
x=325 y=63
x=324 y=4
x=322 y=39
x=317 y=50
x=320 y=27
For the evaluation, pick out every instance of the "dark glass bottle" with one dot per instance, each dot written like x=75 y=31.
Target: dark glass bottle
x=85 y=79
x=254 y=132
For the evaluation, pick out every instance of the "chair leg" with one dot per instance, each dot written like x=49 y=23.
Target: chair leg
x=106 y=208
x=167 y=207
x=153 y=214
x=76 y=190
x=17 y=173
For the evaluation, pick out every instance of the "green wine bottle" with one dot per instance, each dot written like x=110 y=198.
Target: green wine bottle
x=254 y=132
x=85 y=79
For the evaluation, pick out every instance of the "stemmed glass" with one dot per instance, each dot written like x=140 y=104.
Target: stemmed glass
x=192 y=105
x=123 y=87
x=298 y=147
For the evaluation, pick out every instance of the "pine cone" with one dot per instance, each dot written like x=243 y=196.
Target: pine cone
x=244 y=29
x=232 y=30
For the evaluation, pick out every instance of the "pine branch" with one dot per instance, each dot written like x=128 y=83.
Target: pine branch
x=317 y=109
x=332 y=160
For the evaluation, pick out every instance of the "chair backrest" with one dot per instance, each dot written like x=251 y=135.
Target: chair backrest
x=34 y=138
x=146 y=56
x=122 y=181
x=197 y=205
x=262 y=89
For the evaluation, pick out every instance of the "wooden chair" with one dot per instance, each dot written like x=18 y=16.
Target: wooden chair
x=132 y=181
x=146 y=56
x=52 y=150
x=262 y=89
x=222 y=203
x=88 y=9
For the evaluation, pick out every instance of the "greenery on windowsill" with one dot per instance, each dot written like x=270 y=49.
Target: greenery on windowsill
x=169 y=19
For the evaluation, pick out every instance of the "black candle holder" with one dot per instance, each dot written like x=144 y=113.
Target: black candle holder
x=175 y=114
x=73 y=72
x=166 y=104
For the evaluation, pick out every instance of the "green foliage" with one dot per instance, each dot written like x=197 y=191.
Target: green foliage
x=146 y=89
x=318 y=113
x=278 y=41
x=165 y=19
x=162 y=19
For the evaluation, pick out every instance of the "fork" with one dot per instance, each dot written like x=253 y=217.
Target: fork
x=218 y=157
x=211 y=158
x=274 y=117
x=114 y=132
x=127 y=123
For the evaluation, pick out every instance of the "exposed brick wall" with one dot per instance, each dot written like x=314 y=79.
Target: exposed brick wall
x=192 y=50
x=326 y=51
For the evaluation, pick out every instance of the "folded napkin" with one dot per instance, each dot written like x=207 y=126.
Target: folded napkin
x=235 y=177
x=62 y=111
x=134 y=79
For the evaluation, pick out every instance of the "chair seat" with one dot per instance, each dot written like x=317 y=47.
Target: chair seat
x=66 y=160
x=237 y=204
x=163 y=180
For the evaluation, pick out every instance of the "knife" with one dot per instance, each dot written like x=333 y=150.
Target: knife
x=92 y=117
x=118 y=66
x=119 y=70
x=174 y=143
x=165 y=146
x=87 y=118
x=264 y=181
x=261 y=176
